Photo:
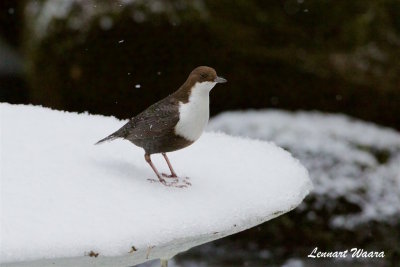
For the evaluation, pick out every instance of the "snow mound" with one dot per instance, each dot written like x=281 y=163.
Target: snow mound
x=67 y=202
x=352 y=163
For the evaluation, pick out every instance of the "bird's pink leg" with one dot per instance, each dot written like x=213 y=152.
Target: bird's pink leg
x=148 y=159
x=173 y=173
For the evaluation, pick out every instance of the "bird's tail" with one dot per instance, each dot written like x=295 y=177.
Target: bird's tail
x=108 y=138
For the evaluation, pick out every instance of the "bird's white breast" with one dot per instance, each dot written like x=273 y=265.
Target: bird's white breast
x=194 y=115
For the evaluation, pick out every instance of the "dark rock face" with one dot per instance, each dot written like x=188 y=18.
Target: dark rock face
x=12 y=83
x=10 y=20
x=118 y=57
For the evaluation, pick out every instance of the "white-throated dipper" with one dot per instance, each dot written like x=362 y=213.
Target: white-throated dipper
x=173 y=123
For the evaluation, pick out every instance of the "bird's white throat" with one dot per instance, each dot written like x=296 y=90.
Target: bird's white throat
x=194 y=115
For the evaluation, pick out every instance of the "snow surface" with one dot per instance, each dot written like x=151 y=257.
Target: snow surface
x=347 y=158
x=63 y=197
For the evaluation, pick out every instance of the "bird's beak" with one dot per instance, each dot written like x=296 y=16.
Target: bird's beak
x=220 y=80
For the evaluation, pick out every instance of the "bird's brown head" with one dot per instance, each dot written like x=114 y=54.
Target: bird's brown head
x=200 y=81
x=205 y=74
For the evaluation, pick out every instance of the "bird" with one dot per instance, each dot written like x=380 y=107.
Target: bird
x=174 y=122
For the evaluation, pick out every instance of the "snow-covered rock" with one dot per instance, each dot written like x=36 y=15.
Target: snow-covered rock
x=66 y=202
x=354 y=165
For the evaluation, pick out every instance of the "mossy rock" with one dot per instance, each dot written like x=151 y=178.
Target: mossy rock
x=324 y=55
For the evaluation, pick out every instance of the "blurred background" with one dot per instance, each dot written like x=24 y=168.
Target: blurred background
x=294 y=61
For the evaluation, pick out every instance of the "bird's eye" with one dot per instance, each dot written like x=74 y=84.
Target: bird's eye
x=204 y=75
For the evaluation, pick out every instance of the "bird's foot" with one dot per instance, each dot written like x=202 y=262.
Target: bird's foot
x=169 y=175
x=158 y=181
x=177 y=182
x=180 y=182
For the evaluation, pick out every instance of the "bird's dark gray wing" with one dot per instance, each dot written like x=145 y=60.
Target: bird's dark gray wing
x=156 y=121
